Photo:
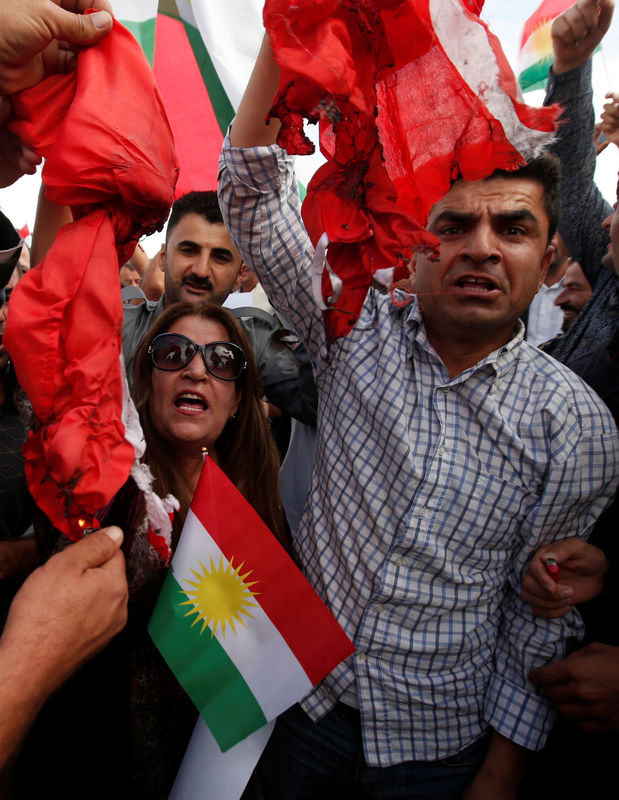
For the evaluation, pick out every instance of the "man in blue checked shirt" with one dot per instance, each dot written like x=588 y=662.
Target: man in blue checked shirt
x=448 y=450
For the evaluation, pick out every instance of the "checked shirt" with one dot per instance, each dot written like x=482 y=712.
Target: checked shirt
x=429 y=495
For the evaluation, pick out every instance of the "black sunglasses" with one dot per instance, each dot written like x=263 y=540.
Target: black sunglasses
x=172 y=351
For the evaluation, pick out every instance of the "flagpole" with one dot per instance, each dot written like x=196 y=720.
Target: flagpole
x=606 y=70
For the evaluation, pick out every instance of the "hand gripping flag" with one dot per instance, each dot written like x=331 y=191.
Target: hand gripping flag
x=410 y=95
x=236 y=621
x=110 y=156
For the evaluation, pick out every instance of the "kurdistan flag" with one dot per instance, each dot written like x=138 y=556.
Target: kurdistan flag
x=236 y=621
x=202 y=53
x=536 y=44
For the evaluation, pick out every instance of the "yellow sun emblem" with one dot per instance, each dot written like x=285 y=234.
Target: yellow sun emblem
x=541 y=40
x=220 y=596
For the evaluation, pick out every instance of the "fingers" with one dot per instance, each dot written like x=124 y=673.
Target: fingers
x=610 y=114
x=549 y=610
x=79 y=29
x=94 y=550
x=601 y=143
x=550 y=675
x=79 y=6
x=549 y=603
x=16 y=159
x=577 y=22
x=582 y=568
x=580 y=556
x=578 y=31
x=6 y=109
x=539 y=577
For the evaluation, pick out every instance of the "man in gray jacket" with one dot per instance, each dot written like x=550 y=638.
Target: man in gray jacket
x=200 y=263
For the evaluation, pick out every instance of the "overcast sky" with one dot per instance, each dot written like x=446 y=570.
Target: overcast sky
x=505 y=18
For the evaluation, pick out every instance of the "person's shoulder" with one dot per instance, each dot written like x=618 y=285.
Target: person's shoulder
x=136 y=321
x=543 y=366
x=143 y=309
x=252 y=317
x=136 y=316
x=559 y=388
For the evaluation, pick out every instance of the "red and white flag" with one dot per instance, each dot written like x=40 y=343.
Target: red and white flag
x=242 y=630
x=410 y=95
x=237 y=622
x=110 y=157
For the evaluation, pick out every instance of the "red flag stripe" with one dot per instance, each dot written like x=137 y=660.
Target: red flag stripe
x=308 y=627
x=549 y=9
x=197 y=135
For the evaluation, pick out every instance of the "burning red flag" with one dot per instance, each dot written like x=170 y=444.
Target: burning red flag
x=410 y=95
x=110 y=156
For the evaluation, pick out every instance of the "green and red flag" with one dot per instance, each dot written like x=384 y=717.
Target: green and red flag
x=236 y=621
x=202 y=54
x=536 y=44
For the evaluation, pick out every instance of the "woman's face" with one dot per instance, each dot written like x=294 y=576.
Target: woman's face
x=189 y=407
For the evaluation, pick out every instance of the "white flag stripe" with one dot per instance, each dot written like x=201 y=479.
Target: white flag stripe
x=232 y=32
x=207 y=773
x=466 y=44
x=530 y=53
x=276 y=678
x=135 y=10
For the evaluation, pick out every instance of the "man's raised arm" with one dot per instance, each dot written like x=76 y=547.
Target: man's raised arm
x=249 y=128
x=575 y=35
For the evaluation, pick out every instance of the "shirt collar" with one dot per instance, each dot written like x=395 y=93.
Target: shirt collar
x=498 y=361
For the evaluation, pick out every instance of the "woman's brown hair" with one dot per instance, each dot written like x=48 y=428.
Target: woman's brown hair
x=245 y=449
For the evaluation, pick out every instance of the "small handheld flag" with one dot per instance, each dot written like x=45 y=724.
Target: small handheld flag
x=236 y=621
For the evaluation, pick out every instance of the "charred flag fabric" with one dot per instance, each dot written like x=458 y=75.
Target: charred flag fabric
x=410 y=94
x=236 y=621
x=110 y=157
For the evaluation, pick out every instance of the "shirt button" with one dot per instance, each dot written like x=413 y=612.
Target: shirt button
x=379 y=607
x=441 y=451
x=362 y=657
x=399 y=562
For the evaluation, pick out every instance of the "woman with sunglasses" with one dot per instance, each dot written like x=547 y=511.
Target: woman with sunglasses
x=197 y=391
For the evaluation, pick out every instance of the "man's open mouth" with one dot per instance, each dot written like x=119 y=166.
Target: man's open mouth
x=475 y=284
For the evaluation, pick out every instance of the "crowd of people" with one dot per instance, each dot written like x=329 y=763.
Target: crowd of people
x=448 y=470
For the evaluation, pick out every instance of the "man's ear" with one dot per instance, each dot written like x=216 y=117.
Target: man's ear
x=161 y=257
x=237 y=282
x=412 y=268
x=546 y=259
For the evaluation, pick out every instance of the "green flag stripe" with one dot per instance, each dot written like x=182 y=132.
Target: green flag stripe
x=535 y=76
x=222 y=106
x=223 y=697
x=144 y=32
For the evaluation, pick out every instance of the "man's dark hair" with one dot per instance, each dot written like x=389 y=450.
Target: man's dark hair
x=545 y=170
x=203 y=203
